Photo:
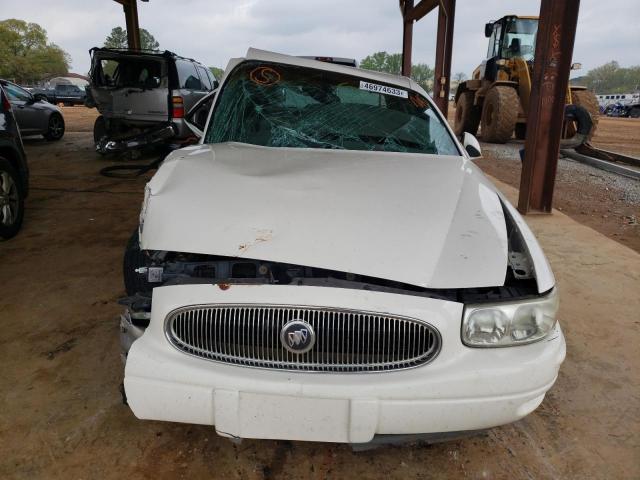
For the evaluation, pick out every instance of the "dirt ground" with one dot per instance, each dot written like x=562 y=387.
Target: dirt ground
x=61 y=414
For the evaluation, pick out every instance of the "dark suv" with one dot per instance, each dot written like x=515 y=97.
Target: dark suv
x=142 y=96
x=14 y=173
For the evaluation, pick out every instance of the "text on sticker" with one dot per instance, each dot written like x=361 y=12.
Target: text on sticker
x=374 y=87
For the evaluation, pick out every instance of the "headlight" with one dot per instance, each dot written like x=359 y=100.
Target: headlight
x=509 y=323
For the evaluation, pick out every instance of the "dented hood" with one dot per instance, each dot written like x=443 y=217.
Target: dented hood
x=431 y=221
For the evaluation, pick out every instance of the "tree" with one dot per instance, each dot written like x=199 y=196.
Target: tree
x=392 y=63
x=611 y=78
x=217 y=72
x=118 y=39
x=423 y=75
x=383 y=62
x=26 y=56
x=460 y=77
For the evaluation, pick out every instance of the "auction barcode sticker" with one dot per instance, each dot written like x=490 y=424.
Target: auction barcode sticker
x=374 y=87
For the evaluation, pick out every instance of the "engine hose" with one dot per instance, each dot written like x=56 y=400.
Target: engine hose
x=130 y=171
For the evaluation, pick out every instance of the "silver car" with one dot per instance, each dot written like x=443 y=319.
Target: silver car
x=34 y=115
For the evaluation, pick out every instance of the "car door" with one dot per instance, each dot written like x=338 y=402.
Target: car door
x=191 y=87
x=31 y=119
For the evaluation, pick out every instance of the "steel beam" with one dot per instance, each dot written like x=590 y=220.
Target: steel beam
x=414 y=14
x=444 y=46
x=554 y=49
x=407 y=38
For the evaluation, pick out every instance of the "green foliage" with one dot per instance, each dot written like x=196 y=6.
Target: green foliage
x=217 y=72
x=25 y=54
x=392 y=63
x=611 y=78
x=118 y=39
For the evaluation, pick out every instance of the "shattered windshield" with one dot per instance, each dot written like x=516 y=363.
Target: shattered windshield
x=277 y=105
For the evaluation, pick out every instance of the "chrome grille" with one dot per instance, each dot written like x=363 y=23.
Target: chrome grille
x=346 y=340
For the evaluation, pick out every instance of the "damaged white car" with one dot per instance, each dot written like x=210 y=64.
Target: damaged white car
x=329 y=265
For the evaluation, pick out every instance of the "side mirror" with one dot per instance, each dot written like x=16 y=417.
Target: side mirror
x=196 y=118
x=488 y=29
x=576 y=66
x=471 y=145
x=37 y=97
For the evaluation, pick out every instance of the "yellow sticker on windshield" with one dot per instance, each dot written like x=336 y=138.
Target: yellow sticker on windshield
x=374 y=87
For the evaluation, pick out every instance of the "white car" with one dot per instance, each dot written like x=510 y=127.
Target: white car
x=329 y=265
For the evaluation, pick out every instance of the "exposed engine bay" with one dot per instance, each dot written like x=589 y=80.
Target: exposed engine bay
x=164 y=268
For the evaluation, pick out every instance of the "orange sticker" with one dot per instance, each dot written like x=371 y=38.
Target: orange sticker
x=264 y=76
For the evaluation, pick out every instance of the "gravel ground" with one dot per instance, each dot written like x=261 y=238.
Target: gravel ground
x=606 y=202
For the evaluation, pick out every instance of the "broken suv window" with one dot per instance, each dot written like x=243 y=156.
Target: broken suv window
x=279 y=105
x=131 y=72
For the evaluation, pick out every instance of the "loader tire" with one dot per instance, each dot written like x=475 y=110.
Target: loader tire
x=499 y=114
x=467 y=114
x=587 y=100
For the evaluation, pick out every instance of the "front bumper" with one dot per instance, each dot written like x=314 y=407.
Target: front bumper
x=462 y=389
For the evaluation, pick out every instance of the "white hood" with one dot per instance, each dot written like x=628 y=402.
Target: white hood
x=431 y=221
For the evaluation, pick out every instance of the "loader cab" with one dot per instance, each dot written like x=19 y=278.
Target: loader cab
x=510 y=37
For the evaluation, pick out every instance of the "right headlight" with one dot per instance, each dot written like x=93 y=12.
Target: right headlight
x=507 y=324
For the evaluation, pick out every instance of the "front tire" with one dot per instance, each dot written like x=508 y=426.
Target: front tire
x=467 y=114
x=55 y=128
x=11 y=200
x=499 y=114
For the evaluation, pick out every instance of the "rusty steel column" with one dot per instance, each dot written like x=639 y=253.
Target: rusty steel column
x=444 y=47
x=554 y=49
x=407 y=38
x=130 y=8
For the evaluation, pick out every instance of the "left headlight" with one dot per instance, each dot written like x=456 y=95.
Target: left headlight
x=507 y=324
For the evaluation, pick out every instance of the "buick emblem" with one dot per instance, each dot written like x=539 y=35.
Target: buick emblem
x=297 y=336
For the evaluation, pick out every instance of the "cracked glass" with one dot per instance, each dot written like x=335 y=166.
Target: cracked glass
x=276 y=105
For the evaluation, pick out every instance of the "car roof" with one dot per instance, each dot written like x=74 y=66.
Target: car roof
x=143 y=52
x=388 y=78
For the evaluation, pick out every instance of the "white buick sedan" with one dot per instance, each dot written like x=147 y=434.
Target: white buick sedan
x=328 y=264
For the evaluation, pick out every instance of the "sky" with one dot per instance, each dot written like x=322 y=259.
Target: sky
x=212 y=31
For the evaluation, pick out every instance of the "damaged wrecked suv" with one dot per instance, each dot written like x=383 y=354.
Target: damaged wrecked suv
x=329 y=265
x=142 y=96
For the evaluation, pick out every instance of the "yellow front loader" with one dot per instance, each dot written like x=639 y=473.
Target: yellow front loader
x=496 y=98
